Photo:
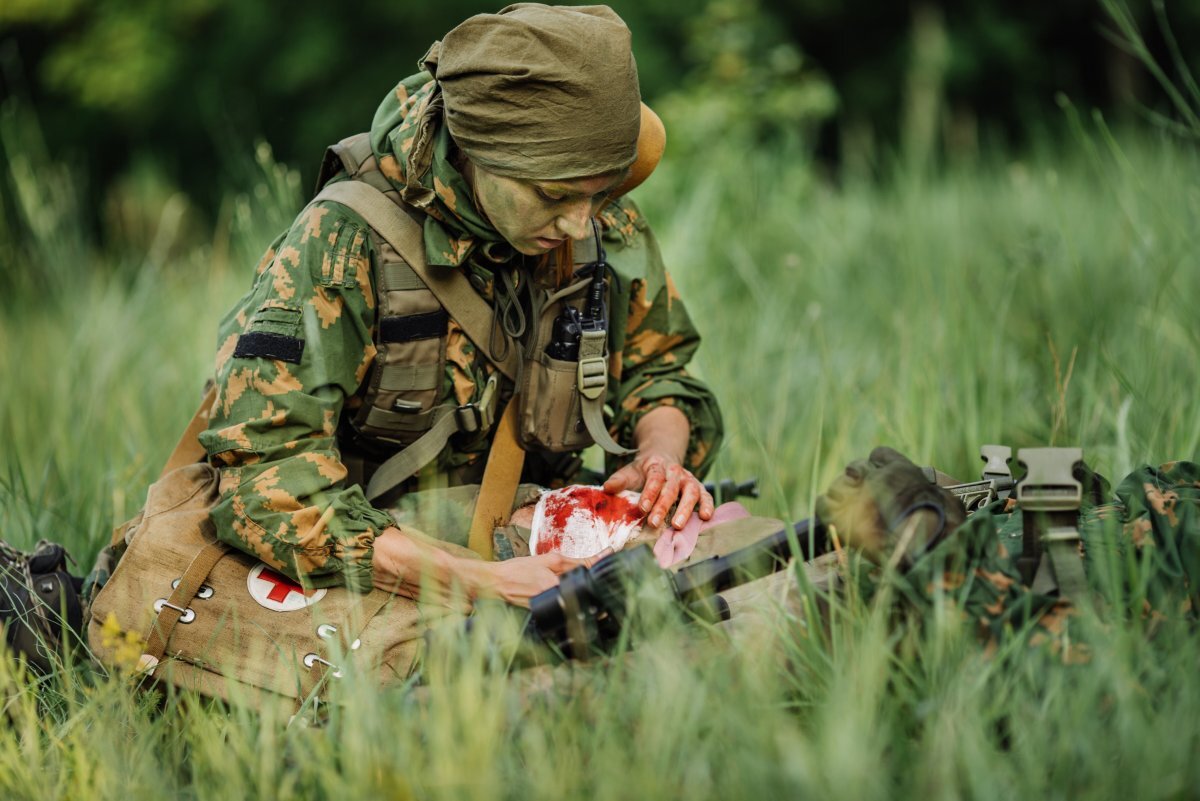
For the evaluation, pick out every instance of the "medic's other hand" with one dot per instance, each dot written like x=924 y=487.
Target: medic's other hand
x=517 y=580
x=409 y=566
x=664 y=482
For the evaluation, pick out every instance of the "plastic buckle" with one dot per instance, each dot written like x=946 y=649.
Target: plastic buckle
x=996 y=470
x=996 y=459
x=470 y=419
x=1050 y=484
x=479 y=416
x=1061 y=534
x=592 y=377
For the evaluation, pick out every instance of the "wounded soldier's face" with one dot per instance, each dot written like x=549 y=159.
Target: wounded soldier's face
x=537 y=216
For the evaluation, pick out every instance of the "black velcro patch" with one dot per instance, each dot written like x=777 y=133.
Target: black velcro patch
x=413 y=326
x=267 y=345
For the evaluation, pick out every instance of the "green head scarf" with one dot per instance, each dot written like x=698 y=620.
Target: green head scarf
x=533 y=92
x=541 y=92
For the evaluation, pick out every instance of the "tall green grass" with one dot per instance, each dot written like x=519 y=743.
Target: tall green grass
x=1043 y=300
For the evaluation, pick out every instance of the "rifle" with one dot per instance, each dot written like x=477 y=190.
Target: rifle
x=585 y=613
x=995 y=483
x=729 y=490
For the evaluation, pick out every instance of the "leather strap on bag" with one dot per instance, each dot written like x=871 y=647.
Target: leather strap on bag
x=501 y=477
x=179 y=604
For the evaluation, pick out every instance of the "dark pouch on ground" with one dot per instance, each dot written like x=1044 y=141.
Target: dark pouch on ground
x=40 y=608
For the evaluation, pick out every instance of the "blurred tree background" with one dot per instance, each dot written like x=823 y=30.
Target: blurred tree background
x=152 y=103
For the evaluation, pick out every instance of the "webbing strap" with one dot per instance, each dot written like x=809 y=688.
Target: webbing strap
x=501 y=477
x=447 y=419
x=403 y=377
x=398 y=468
x=592 y=377
x=399 y=277
x=451 y=287
x=377 y=180
x=179 y=602
x=1062 y=546
x=405 y=421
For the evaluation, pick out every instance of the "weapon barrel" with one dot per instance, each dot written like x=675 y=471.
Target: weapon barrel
x=768 y=555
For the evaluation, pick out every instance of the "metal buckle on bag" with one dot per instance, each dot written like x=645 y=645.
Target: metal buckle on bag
x=186 y=614
x=204 y=593
x=310 y=660
x=326 y=631
x=479 y=416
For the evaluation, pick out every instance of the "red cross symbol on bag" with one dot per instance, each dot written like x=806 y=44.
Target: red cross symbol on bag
x=279 y=593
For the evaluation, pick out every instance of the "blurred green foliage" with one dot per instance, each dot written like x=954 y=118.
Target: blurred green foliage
x=749 y=83
x=181 y=90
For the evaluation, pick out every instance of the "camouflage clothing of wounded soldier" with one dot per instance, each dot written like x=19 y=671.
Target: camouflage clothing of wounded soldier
x=509 y=149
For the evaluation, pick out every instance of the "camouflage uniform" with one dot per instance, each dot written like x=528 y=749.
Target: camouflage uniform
x=1141 y=553
x=277 y=431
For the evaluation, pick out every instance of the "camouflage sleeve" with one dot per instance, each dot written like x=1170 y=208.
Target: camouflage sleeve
x=973 y=572
x=1155 y=539
x=653 y=339
x=288 y=355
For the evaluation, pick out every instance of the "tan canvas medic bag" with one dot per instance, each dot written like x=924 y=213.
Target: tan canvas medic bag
x=187 y=610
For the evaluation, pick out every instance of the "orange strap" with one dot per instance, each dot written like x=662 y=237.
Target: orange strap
x=500 y=480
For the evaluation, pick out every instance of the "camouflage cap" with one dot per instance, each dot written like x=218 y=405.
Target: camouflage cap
x=541 y=92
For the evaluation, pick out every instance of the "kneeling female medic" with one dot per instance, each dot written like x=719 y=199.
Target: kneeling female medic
x=507 y=156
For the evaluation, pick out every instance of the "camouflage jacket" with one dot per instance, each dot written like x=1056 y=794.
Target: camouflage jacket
x=1141 y=553
x=294 y=352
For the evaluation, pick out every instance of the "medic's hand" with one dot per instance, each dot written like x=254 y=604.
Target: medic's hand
x=410 y=567
x=663 y=481
x=517 y=580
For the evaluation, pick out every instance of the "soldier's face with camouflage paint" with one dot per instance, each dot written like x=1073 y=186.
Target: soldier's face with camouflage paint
x=536 y=216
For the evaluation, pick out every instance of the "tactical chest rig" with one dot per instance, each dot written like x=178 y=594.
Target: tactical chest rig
x=560 y=399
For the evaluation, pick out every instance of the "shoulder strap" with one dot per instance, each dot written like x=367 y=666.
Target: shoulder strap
x=451 y=287
x=188 y=449
x=501 y=477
